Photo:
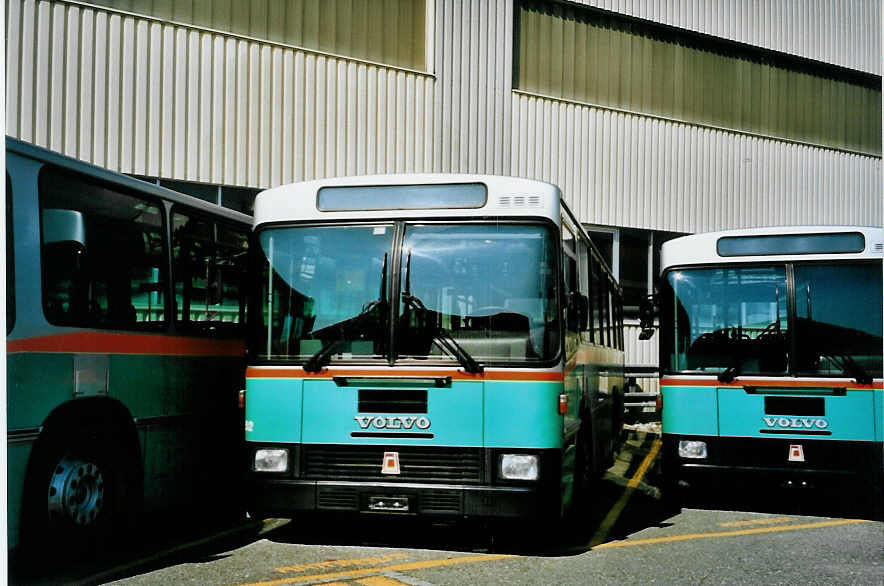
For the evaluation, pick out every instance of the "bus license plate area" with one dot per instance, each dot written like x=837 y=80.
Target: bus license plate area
x=388 y=504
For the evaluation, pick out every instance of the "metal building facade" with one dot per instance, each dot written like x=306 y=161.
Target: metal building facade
x=841 y=32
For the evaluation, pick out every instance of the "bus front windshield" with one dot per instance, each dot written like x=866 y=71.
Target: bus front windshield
x=491 y=287
x=727 y=318
x=488 y=290
x=737 y=318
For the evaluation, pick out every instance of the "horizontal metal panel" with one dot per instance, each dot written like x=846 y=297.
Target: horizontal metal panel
x=622 y=169
x=139 y=96
x=841 y=32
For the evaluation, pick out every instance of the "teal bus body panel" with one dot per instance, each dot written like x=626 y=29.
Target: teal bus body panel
x=273 y=410
x=878 y=401
x=848 y=417
x=732 y=412
x=522 y=415
x=454 y=414
x=36 y=383
x=16 y=467
x=489 y=414
x=690 y=410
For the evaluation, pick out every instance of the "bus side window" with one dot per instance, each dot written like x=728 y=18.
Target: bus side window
x=209 y=264
x=599 y=290
x=583 y=274
x=610 y=315
x=102 y=255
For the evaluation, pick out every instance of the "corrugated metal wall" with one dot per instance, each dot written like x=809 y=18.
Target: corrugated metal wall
x=582 y=55
x=474 y=42
x=139 y=96
x=383 y=31
x=621 y=169
x=841 y=32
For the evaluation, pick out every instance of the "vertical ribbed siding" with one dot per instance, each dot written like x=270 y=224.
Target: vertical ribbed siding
x=473 y=51
x=382 y=31
x=620 y=169
x=139 y=96
x=583 y=56
x=841 y=32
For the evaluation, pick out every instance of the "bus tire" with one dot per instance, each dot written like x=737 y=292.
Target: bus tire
x=584 y=477
x=81 y=491
x=671 y=494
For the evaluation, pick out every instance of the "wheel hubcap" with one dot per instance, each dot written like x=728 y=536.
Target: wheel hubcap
x=76 y=491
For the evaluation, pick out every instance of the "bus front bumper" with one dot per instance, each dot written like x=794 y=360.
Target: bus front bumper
x=735 y=463
x=285 y=498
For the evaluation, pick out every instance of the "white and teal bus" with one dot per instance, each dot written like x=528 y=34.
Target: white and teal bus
x=429 y=345
x=125 y=350
x=770 y=358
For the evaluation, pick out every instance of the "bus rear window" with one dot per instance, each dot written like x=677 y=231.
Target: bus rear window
x=835 y=243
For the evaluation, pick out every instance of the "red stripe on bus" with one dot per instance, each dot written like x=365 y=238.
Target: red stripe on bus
x=327 y=374
x=808 y=384
x=128 y=343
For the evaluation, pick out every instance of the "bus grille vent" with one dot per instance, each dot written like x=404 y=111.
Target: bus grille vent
x=519 y=201
x=346 y=499
x=440 y=501
x=878 y=247
x=417 y=464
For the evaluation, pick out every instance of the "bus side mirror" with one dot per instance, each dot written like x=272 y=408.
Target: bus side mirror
x=647 y=311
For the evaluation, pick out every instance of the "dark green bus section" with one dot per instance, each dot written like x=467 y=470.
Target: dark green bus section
x=125 y=353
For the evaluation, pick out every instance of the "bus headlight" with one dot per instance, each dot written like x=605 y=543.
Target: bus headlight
x=271 y=460
x=691 y=449
x=519 y=467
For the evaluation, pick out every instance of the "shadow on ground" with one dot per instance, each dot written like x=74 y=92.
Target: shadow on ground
x=164 y=540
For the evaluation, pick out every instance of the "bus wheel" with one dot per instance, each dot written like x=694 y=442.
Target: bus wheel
x=77 y=492
x=671 y=497
x=584 y=475
x=80 y=491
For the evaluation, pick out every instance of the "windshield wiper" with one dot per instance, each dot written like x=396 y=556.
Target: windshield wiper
x=851 y=368
x=728 y=375
x=445 y=340
x=441 y=336
x=322 y=356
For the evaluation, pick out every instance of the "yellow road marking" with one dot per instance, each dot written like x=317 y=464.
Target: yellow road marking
x=374 y=571
x=380 y=581
x=771 y=521
x=333 y=564
x=756 y=531
x=608 y=523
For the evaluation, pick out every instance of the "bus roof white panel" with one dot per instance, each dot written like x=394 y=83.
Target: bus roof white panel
x=506 y=196
x=704 y=248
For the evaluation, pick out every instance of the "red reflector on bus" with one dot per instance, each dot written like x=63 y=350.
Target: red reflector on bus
x=242 y=399
x=659 y=401
x=563 y=404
